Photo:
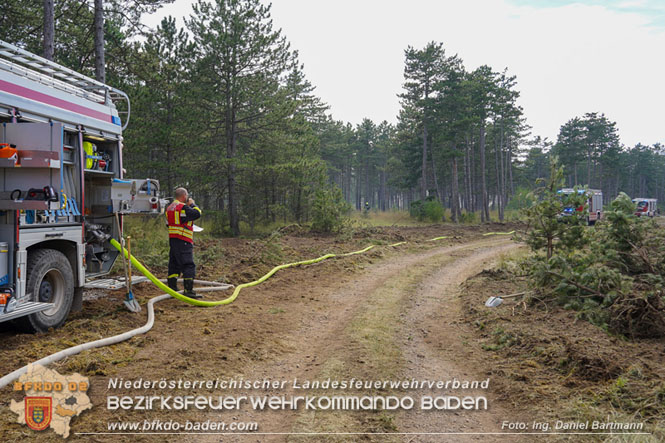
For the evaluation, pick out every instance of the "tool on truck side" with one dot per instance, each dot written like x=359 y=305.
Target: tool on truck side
x=62 y=186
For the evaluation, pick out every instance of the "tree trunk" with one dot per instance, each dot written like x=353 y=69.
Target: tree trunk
x=100 y=66
x=423 y=186
x=368 y=191
x=349 y=181
x=502 y=190
x=231 y=133
x=358 y=196
x=49 y=29
x=439 y=190
x=497 y=170
x=436 y=180
x=588 y=168
x=473 y=178
x=169 y=151
x=382 y=188
x=233 y=192
x=467 y=176
x=483 y=174
x=510 y=169
x=274 y=198
x=454 y=207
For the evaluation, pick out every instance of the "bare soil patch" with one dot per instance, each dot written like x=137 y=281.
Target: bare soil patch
x=289 y=325
x=564 y=368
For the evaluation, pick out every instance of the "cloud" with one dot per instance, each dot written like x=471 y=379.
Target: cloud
x=569 y=57
x=652 y=10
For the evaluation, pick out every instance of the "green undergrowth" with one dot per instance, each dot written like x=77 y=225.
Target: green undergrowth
x=611 y=274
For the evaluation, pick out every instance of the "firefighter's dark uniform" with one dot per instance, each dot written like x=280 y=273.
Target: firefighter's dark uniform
x=180 y=218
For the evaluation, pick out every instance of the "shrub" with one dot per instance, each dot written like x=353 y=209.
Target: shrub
x=468 y=217
x=329 y=211
x=549 y=228
x=216 y=223
x=429 y=209
x=416 y=210
x=611 y=274
x=522 y=199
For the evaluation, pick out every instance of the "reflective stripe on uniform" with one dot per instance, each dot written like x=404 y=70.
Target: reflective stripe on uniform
x=177 y=228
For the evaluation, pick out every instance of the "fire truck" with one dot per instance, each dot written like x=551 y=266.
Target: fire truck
x=594 y=204
x=646 y=207
x=62 y=189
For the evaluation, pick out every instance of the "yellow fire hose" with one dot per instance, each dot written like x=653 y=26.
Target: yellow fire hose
x=238 y=288
x=11 y=377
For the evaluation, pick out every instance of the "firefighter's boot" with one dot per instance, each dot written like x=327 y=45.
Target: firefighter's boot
x=189 y=289
x=173 y=283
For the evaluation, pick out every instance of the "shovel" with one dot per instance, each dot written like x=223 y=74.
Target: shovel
x=130 y=301
x=493 y=302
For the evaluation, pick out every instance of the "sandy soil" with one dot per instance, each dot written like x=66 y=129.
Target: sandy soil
x=390 y=314
x=561 y=366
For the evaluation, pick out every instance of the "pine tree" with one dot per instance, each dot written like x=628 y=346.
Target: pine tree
x=237 y=82
x=423 y=70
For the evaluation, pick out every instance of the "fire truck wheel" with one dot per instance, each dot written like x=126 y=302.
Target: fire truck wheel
x=50 y=280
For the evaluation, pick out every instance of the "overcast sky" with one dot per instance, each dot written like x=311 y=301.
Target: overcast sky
x=570 y=57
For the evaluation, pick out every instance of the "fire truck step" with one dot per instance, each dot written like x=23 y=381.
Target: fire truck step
x=112 y=283
x=24 y=308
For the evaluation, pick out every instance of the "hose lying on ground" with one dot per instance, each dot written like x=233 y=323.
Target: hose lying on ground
x=9 y=378
x=498 y=233
x=238 y=288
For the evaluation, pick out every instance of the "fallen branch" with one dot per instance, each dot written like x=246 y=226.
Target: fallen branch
x=574 y=283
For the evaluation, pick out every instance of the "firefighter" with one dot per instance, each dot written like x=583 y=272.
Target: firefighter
x=180 y=216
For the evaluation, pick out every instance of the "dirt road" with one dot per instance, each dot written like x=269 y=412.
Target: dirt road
x=394 y=318
x=398 y=320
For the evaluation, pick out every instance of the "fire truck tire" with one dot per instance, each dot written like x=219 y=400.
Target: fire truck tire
x=50 y=280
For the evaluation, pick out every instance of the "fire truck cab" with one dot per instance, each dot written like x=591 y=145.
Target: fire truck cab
x=646 y=207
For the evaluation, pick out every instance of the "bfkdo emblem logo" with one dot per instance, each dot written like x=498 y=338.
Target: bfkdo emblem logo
x=38 y=412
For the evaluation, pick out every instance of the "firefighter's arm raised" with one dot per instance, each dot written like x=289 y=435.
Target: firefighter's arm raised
x=191 y=212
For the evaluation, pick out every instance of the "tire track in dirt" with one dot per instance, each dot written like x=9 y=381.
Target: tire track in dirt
x=323 y=339
x=438 y=351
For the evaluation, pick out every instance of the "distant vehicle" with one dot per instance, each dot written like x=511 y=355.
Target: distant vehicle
x=646 y=207
x=594 y=204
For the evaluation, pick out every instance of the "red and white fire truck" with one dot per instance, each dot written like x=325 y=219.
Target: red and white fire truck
x=646 y=207
x=594 y=204
x=61 y=186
